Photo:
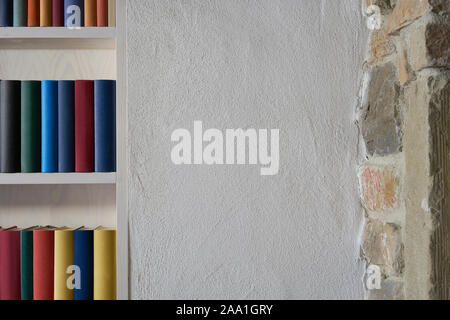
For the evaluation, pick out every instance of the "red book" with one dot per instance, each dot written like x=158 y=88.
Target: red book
x=33 y=13
x=84 y=126
x=43 y=263
x=102 y=13
x=58 y=13
x=10 y=264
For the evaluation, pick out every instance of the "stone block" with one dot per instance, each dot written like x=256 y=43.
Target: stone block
x=378 y=188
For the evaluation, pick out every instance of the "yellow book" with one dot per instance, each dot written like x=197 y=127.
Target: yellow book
x=63 y=259
x=111 y=13
x=104 y=264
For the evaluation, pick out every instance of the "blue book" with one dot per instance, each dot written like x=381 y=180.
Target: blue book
x=83 y=257
x=20 y=9
x=6 y=13
x=105 y=125
x=73 y=13
x=66 y=126
x=49 y=115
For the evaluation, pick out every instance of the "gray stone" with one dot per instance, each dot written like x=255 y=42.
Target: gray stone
x=390 y=290
x=380 y=123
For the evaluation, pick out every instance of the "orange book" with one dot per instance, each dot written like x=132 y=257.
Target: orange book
x=102 y=13
x=46 y=13
x=33 y=13
x=90 y=13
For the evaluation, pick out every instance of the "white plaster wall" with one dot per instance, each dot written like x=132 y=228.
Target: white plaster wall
x=225 y=231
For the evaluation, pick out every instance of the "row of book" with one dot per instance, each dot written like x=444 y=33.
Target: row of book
x=57 y=126
x=57 y=13
x=48 y=263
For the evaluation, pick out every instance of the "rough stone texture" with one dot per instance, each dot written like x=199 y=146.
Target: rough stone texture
x=378 y=188
x=403 y=69
x=440 y=6
x=380 y=123
x=381 y=45
x=382 y=246
x=405 y=12
x=390 y=290
x=221 y=232
x=430 y=46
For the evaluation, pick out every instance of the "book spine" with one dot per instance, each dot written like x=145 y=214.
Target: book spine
x=83 y=258
x=111 y=13
x=102 y=13
x=49 y=126
x=6 y=13
x=33 y=13
x=43 y=264
x=73 y=13
x=104 y=265
x=26 y=264
x=66 y=123
x=10 y=126
x=105 y=129
x=90 y=13
x=31 y=126
x=58 y=13
x=46 y=13
x=84 y=126
x=20 y=8
x=63 y=259
x=10 y=265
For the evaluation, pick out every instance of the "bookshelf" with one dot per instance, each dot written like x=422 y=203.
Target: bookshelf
x=74 y=199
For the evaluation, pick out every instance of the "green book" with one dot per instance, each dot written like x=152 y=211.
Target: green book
x=20 y=9
x=26 y=263
x=31 y=126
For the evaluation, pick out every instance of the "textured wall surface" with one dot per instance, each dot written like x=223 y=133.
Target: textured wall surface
x=225 y=231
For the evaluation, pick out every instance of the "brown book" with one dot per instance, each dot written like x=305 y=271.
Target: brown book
x=46 y=13
x=90 y=13
x=33 y=13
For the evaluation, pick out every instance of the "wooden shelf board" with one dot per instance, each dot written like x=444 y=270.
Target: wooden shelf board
x=57 y=178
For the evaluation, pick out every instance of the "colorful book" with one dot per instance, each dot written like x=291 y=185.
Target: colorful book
x=31 y=126
x=73 y=13
x=105 y=125
x=45 y=13
x=58 y=13
x=26 y=263
x=84 y=126
x=83 y=257
x=6 y=13
x=111 y=13
x=102 y=13
x=63 y=260
x=49 y=126
x=90 y=13
x=43 y=263
x=66 y=123
x=10 y=91
x=20 y=9
x=10 y=264
x=104 y=264
x=33 y=13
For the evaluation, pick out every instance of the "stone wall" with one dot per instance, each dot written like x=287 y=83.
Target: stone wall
x=403 y=119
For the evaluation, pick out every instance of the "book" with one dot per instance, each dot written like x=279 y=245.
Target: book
x=105 y=125
x=83 y=257
x=10 y=264
x=45 y=11
x=73 y=13
x=26 y=263
x=111 y=13
x=66 y=126
x=104 y=264
x=84 y=126
x=90 y=13
x=49 y=126
x=33 y=13
x=43 y=263
x=31 y=126
x=6 y=13
x=63 y=260
x=102 y=13
x=20 y=9
x=58 y=13
x=10 y=126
